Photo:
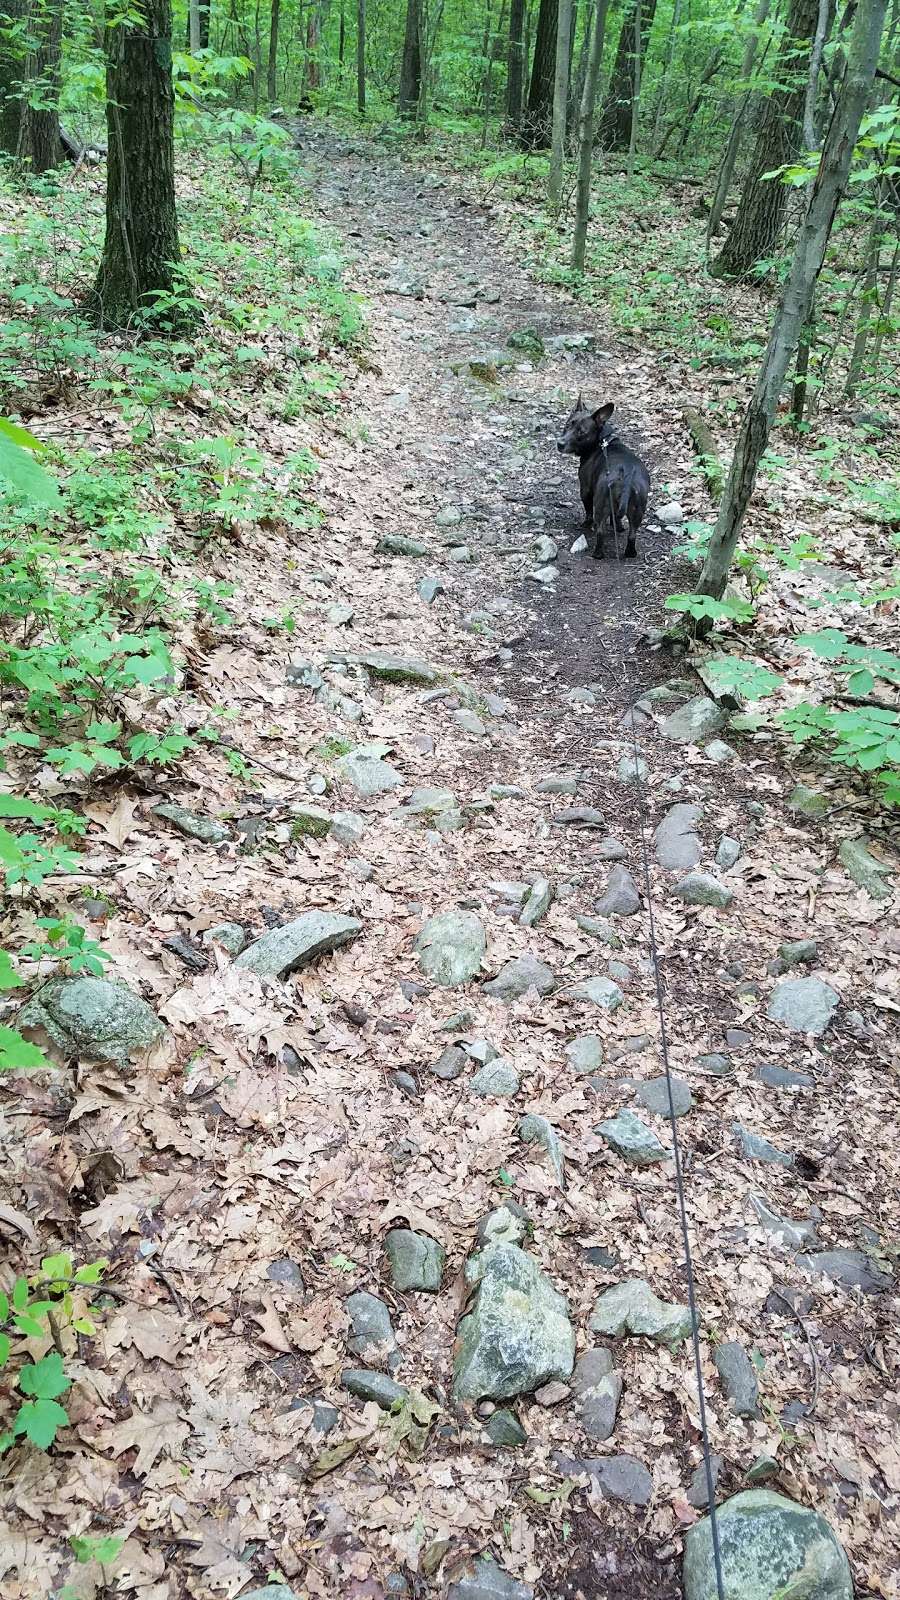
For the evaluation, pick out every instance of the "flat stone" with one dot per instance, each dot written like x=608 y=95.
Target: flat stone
x=738 y=1038
x=799 y=952
x=94 y=1018
x=782 y=1077
x=451 y=947
x=738 y=1376
x=631 y=1139
x=763 y=1468
x=534 y=1129
x=271 y=1591
x=609 y=849
x=852 y=1269
x=429 y=587
x=770 y=1546
x=206 y=830
x=373 y=1386
x=600 y=928
x=470 y=722
x=728 y=852
x=347 y=827
x=298 y=943
x=783 y=1230
x=449 y=517
x=429 y=802
x=497 y=1080
x=518 y=976
x=372 y=1334
x=809 y=802
x=558 y=783
x=367 y=772
x=756 y=1148
x=303 y=672
x=805 y=1005
x=508 y=1223
x=632 y=1307
x=481 y=1050
x=865 y=869
x=503 y=1428
x=507 y=791
x=702 y=889
x=579 y=545
x=398 y=544
x=392 y=668
x=715 y=1065
x=230 y=935
x=670 y=514
x=621 y=898
x=694 y=721
x=585 y=1053
x=417 y=1261
x=487 y=1581
x=698 y=1488
x=599 y=1390
x=285 y=1271
x=309 y=822
x=601 y=992
x=620 y=1477
x=450 y=1063
x=514 y=889
x=517 y=1334
x=459 y=554
x=654 y=1096
x=537 y=903
x=631 y=769
x=406 y=1083
x=579 y=816
x=676 y=841
x=718 y=752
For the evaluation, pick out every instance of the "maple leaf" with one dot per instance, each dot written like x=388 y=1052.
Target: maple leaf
x=157 y=1334
x=150 y=1433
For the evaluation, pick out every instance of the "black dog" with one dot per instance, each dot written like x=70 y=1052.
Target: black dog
x=614 y=481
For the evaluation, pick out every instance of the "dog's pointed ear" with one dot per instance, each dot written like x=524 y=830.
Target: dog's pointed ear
x=603 y=413
x=579 y=403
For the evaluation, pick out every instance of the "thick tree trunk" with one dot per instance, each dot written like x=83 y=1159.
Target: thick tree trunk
x=140 y=254
x=491 y=52
x=361 y=57
x=12 y=74
x=41 y=148
x=735 y=134
x=312 y=72
x=614 y=130
x=754 y=233
x=515 y=72
x=796 y=305
x=536 y=123
x=560 y=102
x=204 y=8
x=272 y=63
x=193 y=26
x=411 y=65
x=586 y=134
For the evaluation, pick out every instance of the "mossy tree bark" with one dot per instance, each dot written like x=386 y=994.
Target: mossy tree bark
x=140 y=255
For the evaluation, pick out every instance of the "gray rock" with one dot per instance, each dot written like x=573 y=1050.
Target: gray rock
x=756 y=1148
x=285 y=1271
x=654 y=1096
x=373 y=1386
x=600 y=992
x=805 y=1005
x=205 y=829
x=600 y=928
x=783 y=1230
x=372 y=1334
x=514 y=889
x=230 y=935
x=581 y=697
x=770 y=1546
x=694 y=721
x=417 y=1262
x=506 y=791
x=487 y=1581
x=763 y=1468
x=449 y=517
x=698 y=1488
x=702 y=889
x=504 y=1428
x=576 y=343
x=631 y=1139
x=340 y=615
x=301 y=671
x=632 y=769
x=367 y=772
x=481 y=1050
x=599 y=1390
x=715 y=1065
x=529 y=341
x=325 y=1417
x=309 y=822
x=459 y=554
x=579 y=545
x=518 y=976
x=783 y=1077
x=671 y=514
x=398 y=544
x=676 y=840
x=737 y=1038
x=517 y=1334
x=719 y=752
x=620 y=1477
x=728 y=852
x=470 y=722
x=506 y=1224
x=865 y=869
x=406 y=1083
x=558 y=783
x=621 y=898
x=585 y=1053
x=429 y=802
x=585 y=816
x=738 y=1376
x=391 y=668
x=544 y=549
x=451 y=947
x=450 y=1063
x=632 y=1307
x=498 y=1080
x=852 y=1269
x=271 y=1591
x=799 y=952
x=429 y=588
x=537 y=1130
x=92 y=1017
x=538 y=902
x=809 y=802
x=298 y=943
x=609 y=849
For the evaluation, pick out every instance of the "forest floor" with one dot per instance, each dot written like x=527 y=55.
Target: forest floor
x=242 y=1178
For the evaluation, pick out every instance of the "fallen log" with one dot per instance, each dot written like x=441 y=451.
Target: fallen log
x=705 y=446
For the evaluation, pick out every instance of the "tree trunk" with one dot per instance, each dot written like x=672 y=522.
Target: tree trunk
x=312 y=74
x=614 y=130
x=884 y=319
x=12 y=74
x=664 y=77
x=411 y=66
x=635 y=98
x=867 y=299
x=796 y=305
x=203 y=11
x=140 y=254
x=685 y=121
x=342 y=41
x=536 y=124
x=726 y=170
x=193 y=26
x=515 y=72
x=361 y=57
x=823 y=23
x=586 y=135
x=272 y=63
x=39 y=145
x=560 y=102
x=492 y=53
x=577 y=77
x=754 y=234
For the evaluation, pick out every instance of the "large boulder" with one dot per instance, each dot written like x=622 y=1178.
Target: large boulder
x=92 y=1017
x=298 y=943
x=451 y=947
x=770 y=1546
x=517 y=1334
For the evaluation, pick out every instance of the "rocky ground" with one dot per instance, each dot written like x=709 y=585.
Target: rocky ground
x=389 y=1201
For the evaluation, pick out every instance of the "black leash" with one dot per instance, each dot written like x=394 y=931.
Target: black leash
x=640 y=785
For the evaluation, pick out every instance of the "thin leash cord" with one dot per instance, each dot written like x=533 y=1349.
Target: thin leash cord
x=640 y=785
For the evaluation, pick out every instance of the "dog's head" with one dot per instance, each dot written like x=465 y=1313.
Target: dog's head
x=583 y=429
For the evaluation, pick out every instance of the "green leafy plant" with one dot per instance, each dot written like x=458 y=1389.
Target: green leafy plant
x=67 y=942
x=42 y=1308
